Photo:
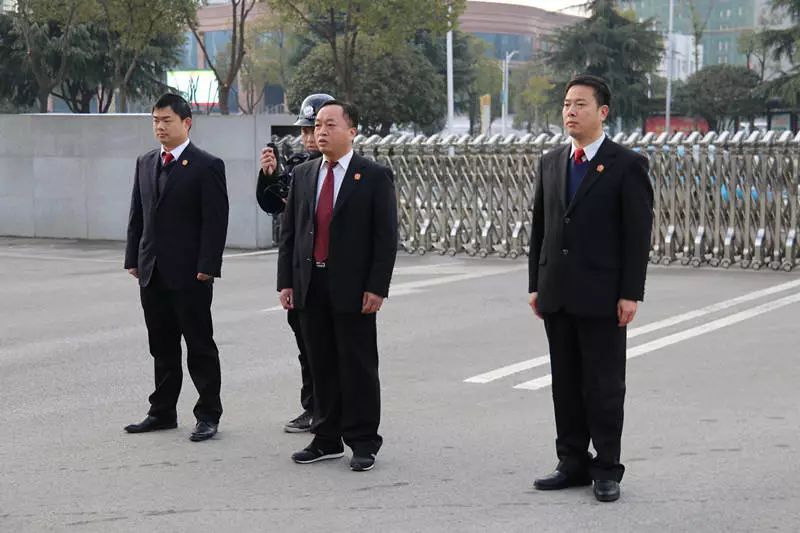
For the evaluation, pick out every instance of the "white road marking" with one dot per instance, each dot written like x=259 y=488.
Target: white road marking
x=522 y=366
x=412 y=287
x=271 y=251
x=636 y=351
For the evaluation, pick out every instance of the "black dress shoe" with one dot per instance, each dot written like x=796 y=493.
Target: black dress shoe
x=312 y=454
x=203 y=431
x=362 y=462
x=559 y=480
x=151 y=423
x=606 y=490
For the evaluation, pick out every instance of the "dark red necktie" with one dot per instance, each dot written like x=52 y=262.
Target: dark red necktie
x=578 y=156
x=322 y=237
x=167 y=158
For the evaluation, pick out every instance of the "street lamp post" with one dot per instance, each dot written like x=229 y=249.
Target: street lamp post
x=450 y=98
x=668 y=110
x=509 y=55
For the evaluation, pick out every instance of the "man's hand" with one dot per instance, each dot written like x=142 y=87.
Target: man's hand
x=371 y=303
x=134 y=272
x=287 y=298
x=532 y=301
x=626 y=310
x=268 y=161
x=203 y=277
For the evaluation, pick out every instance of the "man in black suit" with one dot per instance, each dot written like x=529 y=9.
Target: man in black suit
x=337 y=252
x=271 y=191
x=590 y=241
x=176 y=235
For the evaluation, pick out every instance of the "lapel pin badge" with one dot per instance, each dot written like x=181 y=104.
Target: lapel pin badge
x=185 y=162
x=600 y=168
x=357 y=177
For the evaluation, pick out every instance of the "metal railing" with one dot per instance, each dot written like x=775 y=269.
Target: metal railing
x=720 y=199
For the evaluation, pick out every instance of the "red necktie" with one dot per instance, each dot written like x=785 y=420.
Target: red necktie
x=167 y=158
x=578 y=156
x=324 y=215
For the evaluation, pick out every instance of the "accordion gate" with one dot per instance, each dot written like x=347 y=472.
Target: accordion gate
x=720 y=199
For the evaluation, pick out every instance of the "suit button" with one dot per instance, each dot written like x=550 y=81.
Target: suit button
x=566 y=220
x=308 y=259
x=564 y=252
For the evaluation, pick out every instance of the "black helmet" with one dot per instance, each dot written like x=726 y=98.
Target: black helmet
x=309 y=108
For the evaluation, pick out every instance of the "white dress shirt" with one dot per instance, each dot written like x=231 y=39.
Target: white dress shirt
x=176 y=152
x=338 y=174
x=590 y=149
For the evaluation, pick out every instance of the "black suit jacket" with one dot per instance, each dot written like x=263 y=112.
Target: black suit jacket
x=184 y=228
x=587 y=255
x=363 y=234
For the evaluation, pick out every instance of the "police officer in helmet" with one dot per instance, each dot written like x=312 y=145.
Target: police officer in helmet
x=271 y=191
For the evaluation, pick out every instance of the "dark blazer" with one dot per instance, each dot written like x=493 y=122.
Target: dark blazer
x=184 y=228
x=587 y=255
x=363 y=234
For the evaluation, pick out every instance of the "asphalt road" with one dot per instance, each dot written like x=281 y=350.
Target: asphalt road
x=711 y=429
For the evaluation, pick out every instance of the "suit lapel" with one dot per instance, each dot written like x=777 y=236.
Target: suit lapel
x=314 y=183
x=179 y=167
x=152 y=168
x=603 y=159
x=348 y=184
x=561 y=162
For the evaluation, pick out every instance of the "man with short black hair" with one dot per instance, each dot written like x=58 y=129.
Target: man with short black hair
x=176 y=235
x=590 y=241
x=337 y=252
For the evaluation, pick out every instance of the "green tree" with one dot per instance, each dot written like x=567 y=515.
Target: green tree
x=533 y=102
x=343 y=24
x=614 y=47
x=398 y=88
x=721 y=94
x=785 y=44
x=46 y=30
x=134 y=27
x=89 y=70
x=17 y=85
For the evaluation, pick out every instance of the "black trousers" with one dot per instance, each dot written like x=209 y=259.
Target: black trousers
x=587 y=360
x=170 y=314
x=343 y=354
x=307 y=387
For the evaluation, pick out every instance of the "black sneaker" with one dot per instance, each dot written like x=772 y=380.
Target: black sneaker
x=301 y=424
x=362 y=463
x=312 y=454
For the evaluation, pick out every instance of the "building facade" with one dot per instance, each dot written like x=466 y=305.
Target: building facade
x=724 y=20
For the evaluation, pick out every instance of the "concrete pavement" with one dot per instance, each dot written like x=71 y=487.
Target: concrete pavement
x=710 y=438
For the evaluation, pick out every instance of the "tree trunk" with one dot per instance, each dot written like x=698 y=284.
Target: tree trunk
x=122 y=101
x=224 y=94
x=44 y=95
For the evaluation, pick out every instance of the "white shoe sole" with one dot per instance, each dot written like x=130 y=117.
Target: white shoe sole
x=320 y=458
x=290 y=429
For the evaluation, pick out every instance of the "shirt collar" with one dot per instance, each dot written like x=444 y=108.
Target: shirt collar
x=590 y=149
x=344 y=162
x=177 y=151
